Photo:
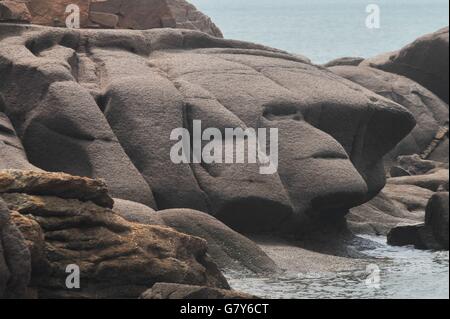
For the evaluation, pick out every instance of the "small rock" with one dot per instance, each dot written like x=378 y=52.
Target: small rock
x=432 y=181
x=175 y=291
x=12 y=11
x=433 y=234
x=106 y=20
x=352 y=61
x=418 y=166
x=397 y=171
x=408 y=235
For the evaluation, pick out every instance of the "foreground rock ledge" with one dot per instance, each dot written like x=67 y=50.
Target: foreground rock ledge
x=176 y=291
x=42 y=235
x=55 y=184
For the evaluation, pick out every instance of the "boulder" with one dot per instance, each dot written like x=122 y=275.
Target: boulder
x=187 y=16
x=228 y=249
x=396 y=204
x=440 y=147
x=432 y=181
x=437 y=217
x=410 y=198
x=105 y=20
x=433 y=234
x=344 y=61
x=430 y=112
x=415 y=165
x=14 y=11
x=333 y=134
x=55 y=184
x=424 y=61
x=149 y=14
x=188 y=292
x=443 y=187
x=136 y=212
x=407 y=235
x=116 y=258
x=419 y=236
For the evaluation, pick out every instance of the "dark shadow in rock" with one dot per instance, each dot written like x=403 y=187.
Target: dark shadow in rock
x=59 y=153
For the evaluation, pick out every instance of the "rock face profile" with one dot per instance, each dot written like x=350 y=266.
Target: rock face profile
x=43 y=234
x=124 y=92
x=424 y=61
x=112 y=14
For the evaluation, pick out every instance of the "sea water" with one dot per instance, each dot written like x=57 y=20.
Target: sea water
x=326 y=29
x=402 y=273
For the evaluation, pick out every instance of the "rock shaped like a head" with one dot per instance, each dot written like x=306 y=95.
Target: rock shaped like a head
x=104 y=104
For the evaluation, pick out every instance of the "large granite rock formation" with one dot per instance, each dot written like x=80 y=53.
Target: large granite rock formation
x=424 y=61
x=124 y=92
x=43 y=234
x=113 y=14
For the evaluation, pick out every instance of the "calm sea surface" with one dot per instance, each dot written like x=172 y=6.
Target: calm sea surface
x=326 y=29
